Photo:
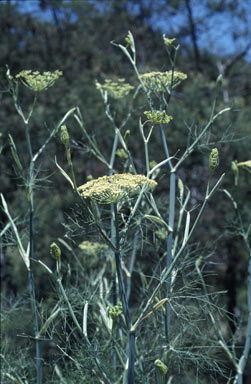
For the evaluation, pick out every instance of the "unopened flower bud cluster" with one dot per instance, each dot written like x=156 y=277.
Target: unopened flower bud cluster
x=115 y=311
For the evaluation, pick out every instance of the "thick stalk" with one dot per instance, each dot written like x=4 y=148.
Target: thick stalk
x=111 y=164
x=31 y=257
x=133 y=257
x=244 y=358
x=123 y=297
x=169 y=241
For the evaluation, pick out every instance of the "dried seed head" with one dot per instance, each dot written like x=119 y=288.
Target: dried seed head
x=213 y=159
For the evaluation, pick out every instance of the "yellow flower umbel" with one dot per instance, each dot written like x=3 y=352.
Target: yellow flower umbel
x=158 y=117
x=37 y=81
x=115 y=188
x=92 y=248
x=162 y=81
x=115 y=89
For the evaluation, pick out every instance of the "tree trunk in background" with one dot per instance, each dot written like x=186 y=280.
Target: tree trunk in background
x=193 y=36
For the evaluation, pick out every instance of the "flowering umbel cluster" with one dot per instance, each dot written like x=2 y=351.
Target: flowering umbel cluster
x=162 y=81
x=37 y=81
x=158 y=117
x=92 y=248
x=115 y=89
x=115 y=188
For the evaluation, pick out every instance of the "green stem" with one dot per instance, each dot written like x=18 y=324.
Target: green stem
x=133 y=257
x=31 y=257
x=244 y=358
x=73 y=178
x=123 y=297
x=169 y=241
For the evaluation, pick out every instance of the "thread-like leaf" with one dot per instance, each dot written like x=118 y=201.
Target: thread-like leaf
x=48 y=322
x=64 y=173
x=158 y=220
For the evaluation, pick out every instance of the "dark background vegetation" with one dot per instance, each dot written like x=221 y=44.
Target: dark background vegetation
x=74 y=37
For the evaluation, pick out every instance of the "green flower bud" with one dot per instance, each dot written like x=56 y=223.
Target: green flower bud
x=128 y=40
x=64 y=135
x=126 y=136
x=213 y=159
x=161 y=366
x=162 y=234
x=115 y=311
x=181 y=188
x=89 y=177
x=219 y=80
x=121 y=153
x=55 y=251
x=235 y=169
x=168 y=42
